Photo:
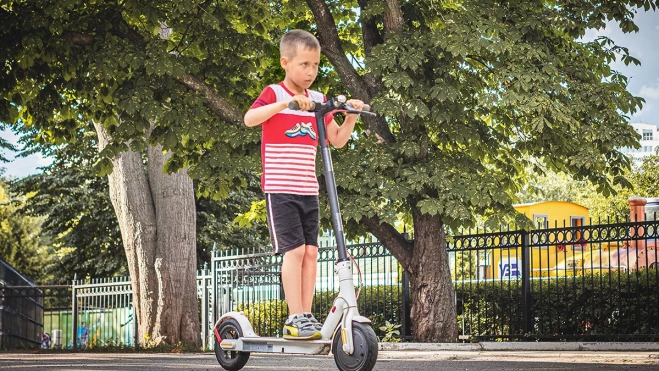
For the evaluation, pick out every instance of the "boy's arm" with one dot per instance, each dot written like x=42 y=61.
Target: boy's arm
x=339 y=135
x=257 y=116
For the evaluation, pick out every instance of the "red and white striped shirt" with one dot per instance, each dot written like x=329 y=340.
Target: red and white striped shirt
x=288 y=145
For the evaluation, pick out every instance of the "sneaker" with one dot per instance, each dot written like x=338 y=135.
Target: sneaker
x=300 y=327
x=319 y=326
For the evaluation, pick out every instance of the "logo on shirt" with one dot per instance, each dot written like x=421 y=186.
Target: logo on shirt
x=301 y=130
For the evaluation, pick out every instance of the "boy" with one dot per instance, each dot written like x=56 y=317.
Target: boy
x=289 y=180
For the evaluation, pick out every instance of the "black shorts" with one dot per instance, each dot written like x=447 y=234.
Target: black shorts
x=293 y=220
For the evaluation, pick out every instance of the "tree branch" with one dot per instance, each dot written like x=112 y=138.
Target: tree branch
x=392 y=239
x=331 y=47
x=370 y=32
x=216 y=103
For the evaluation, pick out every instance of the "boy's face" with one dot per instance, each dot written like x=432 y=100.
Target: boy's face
x=302 y=69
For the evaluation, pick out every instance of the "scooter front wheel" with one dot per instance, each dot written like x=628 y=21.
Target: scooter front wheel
x=366 y=349
x=230 y=360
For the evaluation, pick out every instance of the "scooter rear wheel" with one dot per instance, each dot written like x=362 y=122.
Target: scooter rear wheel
x=230 y=360
x=366 y=349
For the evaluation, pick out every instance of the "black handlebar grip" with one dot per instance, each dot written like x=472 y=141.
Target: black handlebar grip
x=295 y=106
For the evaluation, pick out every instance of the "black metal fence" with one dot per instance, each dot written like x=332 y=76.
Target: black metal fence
x=597 y=282
x=21 y=309
x=85 y=314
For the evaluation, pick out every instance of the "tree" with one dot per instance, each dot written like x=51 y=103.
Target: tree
x=474 y=92
x=469 y=93
x=76 y=210
x=82 y=227
x=646 y=178
x=20 y=245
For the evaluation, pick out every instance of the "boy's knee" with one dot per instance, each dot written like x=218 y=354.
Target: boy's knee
x=311 y=252
x=296 y=253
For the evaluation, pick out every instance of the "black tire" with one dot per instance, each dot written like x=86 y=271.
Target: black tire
x=366 y=349
x=230 y=360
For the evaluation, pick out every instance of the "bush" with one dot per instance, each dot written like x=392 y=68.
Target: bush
x=267 y=317
x=603 y=306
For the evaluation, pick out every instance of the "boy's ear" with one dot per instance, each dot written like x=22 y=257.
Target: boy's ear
x=283 y=61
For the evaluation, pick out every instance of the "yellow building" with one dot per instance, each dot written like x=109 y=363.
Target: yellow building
x=550 y=259
x=550 y=214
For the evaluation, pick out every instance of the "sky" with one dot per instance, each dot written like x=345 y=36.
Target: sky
x=643 y=82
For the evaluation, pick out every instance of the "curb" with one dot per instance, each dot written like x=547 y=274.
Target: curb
x=523 y=346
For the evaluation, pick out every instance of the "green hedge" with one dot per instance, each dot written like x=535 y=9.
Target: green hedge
x=607 y=306
x=378 y=303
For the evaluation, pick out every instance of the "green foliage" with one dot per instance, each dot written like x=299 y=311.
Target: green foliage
x=267 y=317
x=550 y=186
x=217 y=226
x=78 y=217
x=472 y=94
x=391 y=333
x=474 y=85
x=645 y=177
x=381 y=304
x=20 y=243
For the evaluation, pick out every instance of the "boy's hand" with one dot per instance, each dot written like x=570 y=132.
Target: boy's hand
x=303 y=101
x=356 y=104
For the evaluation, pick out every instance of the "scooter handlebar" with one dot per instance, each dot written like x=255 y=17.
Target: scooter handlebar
x=296 y=107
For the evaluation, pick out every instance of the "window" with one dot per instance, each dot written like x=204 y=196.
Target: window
x=647 y=134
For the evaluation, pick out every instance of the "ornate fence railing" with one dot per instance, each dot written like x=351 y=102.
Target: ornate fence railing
x=596 y=282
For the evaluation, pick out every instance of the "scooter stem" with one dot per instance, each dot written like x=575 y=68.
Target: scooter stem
x=330 y=183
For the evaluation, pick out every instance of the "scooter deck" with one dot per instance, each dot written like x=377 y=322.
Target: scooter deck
x=277 y=345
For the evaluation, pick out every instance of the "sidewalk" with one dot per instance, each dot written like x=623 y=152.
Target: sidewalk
x=524 y=346
x=469 y=359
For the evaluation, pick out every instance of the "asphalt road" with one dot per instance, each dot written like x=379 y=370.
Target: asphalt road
x=388 y=360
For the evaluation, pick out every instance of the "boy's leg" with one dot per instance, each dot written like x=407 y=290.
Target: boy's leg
x=292 y=279
x=298 y=325
x=308 y=276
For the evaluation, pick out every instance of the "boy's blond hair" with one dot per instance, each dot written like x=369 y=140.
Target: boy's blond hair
x=292 y=39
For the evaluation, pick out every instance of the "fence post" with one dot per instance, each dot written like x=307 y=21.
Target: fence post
x=204 y=307
x=136 y=325
x=74 y=312
x=213 y=307
x=526 y=283
x=406 y=320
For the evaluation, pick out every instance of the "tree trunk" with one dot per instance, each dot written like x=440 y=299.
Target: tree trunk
x=156 y=214
x=433 y=312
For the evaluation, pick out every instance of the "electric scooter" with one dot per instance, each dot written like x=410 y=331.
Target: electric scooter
x=348 y=335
